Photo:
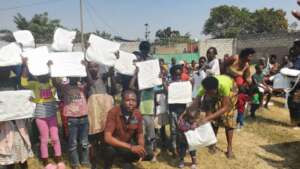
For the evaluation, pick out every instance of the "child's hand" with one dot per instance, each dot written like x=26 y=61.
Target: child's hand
x=111 y=71
x=202 y=121
x=24 y=60
x=194 y=126
x=49 y=63
x=117 y=54
x=31 y=98
x=84 y=63
x=136 y=71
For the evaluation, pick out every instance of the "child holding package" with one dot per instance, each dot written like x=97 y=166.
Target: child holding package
x=45 y=113
x=186 y=122
x=15 y=146
x=175 y=110
x=76 y=111
x=99 y=104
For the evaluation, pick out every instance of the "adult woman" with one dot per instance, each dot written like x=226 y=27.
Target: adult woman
x=238 y=67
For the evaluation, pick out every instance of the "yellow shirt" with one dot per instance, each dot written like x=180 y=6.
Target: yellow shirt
x=44 y=92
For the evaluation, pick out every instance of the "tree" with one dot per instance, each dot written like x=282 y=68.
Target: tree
x=103 y=34
x=269 y=21
x=40 y=25
x=168 y=36
x=230 y=21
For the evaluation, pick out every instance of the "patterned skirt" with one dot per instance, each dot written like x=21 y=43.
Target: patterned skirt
x=20 y=152
x=47 y=109
x=98 y=107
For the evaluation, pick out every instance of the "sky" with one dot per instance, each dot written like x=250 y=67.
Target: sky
x=126 y=18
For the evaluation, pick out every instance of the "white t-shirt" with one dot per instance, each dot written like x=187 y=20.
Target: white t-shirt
x=214 y=67
x=197 y=82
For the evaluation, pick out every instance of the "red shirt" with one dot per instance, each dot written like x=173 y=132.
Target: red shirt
x=185 y=77
x=122 y=128
x=241 y=103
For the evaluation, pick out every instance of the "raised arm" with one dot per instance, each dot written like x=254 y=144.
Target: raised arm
x=25 y=72
x=89 y=76
x=134 y=80
x=24 y=77
x=296 y=13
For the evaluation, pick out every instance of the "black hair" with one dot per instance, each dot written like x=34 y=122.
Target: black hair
x=202 y=57
x=126 y=92
x=273 y=56
x=144 y=46
x=161 y=60
x=257 y=66
x=210 y=83
x=246 y=52
x=214 y=50
x=174 y=68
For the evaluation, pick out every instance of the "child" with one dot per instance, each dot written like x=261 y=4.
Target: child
x=175 y=110
x=76 y=111
x=186 y=122
x=255 y=102
x=45 y=113
x=241 y=103
x=259 y=81
x=99 y=103
x=161 y=111
x=15 y=146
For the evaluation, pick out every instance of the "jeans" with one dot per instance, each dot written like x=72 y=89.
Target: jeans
x=48 y=126
x=126 y=157
x=149 y=130
x=78 y=128
x=183 y=146
x=173 y=127
x=240 y=118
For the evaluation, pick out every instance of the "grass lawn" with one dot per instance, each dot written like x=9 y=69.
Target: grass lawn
x=268 y=142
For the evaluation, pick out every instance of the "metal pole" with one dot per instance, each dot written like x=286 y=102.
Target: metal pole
x=81 y=25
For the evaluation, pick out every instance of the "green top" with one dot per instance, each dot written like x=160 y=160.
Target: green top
x=224 y=88
x=147 y=102
x=258 y=77
x=255 y=99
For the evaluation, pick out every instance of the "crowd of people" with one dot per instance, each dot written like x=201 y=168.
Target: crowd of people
x=133 y=128
x=95 y=121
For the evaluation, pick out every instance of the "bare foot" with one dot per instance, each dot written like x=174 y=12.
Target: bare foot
x=230 y=155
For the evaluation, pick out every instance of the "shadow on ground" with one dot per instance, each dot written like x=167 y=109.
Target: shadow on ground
x=289 y=152
x=261 y=119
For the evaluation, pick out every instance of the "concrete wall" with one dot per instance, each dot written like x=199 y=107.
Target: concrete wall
x=267 y=44
x=224 y=46
x=264 y=44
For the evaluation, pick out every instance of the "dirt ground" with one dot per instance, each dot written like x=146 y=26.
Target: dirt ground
x=268 y=142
